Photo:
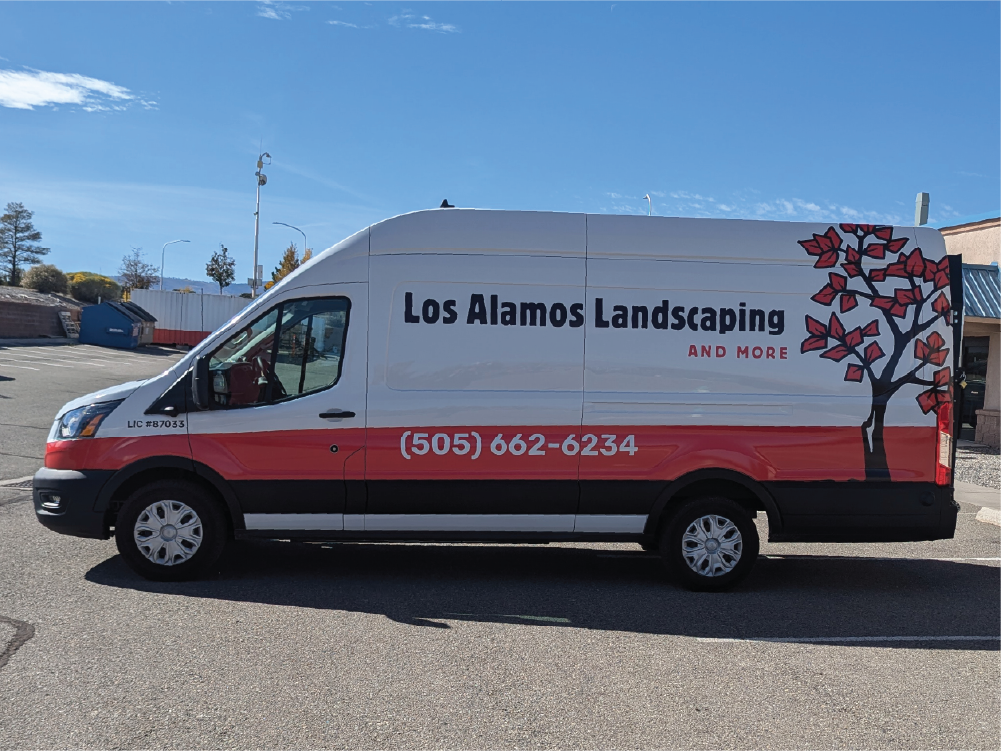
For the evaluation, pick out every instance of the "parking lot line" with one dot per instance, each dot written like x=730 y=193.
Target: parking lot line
x=45 y=357
x=76 y=355
x=54 y=360
x=844 y=639
x=7 y=364
x=41 y=356
x=38 y=362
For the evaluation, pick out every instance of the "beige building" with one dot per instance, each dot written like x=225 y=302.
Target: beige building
x=979 y=242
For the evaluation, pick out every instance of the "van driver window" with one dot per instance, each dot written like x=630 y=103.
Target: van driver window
x=255 y=366
x=309 y=347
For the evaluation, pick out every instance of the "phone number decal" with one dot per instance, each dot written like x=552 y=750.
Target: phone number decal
x=471 y=444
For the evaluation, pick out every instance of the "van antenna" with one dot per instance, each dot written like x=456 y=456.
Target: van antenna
x=446 y=205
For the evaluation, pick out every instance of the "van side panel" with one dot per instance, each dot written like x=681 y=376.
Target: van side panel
x=474 y=328
x=737 y=345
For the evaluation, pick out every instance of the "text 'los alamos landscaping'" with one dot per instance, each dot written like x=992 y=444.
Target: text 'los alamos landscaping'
x=493 y=311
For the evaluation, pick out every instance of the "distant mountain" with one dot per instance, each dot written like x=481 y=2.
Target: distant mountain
x=208 y=288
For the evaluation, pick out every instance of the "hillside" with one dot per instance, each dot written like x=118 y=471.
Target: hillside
x=209 y=287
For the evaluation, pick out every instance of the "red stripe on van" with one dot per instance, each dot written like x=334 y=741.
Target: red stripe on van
x=278 y=455
x=113 y=453
x=662 y=453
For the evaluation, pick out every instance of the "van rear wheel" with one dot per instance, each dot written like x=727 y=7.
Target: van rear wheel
x=170 y=530
x=710 y=544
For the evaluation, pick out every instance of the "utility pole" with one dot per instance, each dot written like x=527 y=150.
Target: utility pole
x=262 y=179
x=921 y=209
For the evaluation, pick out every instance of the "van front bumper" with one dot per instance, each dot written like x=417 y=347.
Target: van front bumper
x=65 y=501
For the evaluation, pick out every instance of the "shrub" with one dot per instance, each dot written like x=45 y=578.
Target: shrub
x=45 y=278
x=88 y=287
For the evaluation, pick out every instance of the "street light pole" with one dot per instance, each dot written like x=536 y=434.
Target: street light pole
x=297 y=230
x=262 y=179
x=163 y=252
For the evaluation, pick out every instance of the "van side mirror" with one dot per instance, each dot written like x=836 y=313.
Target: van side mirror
x=200 y=383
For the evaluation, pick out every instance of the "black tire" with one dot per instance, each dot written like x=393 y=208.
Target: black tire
x=203 y=525
x=708 y=511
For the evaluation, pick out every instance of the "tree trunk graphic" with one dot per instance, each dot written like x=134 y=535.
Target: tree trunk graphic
x=905 y=310
x=876 y=467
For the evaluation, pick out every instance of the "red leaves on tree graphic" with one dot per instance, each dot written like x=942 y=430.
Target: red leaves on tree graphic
x=847 y=343
x=942 y=307
x=932 y=351
x=901 y=306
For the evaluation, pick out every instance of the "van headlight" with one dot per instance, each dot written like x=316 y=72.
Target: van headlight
x=83 y=422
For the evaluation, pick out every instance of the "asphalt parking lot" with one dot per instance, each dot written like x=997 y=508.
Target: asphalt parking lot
x=431 y=646
x=35 y=380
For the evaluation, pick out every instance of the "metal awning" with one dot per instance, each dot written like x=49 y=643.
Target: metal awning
x=981 y=291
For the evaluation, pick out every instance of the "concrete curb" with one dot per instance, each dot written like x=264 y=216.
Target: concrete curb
x=44 y=342
x=989 y=516
x=978 y=495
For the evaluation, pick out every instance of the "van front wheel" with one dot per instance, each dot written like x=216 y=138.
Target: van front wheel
x=710 y=544
x=170 y=530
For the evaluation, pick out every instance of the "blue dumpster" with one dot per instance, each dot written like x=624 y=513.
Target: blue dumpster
x=110 y=324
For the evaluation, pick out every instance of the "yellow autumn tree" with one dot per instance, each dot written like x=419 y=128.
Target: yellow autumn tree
x=289 y=263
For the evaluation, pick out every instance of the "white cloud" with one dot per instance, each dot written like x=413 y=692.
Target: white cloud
x=343 y=23
x=692 y=196
x=628 y=208
x=27 y=89
x=445 y=28
x=277 y=11
x=412 y=21
x=748 y=204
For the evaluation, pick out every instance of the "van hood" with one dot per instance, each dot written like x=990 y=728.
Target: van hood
x=110 y=394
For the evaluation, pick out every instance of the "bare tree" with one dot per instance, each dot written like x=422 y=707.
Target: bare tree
x=135 y=272
x=17 y=242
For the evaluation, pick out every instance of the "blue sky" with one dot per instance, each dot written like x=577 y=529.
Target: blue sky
x=131 y=124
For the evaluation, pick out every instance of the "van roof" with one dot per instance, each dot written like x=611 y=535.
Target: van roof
x=476 y=231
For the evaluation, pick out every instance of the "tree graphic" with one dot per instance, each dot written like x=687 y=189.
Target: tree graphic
x=907 y=309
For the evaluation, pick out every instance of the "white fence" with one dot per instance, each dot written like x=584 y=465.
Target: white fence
x=186 y=317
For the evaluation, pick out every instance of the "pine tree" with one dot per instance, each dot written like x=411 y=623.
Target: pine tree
x=221 y=269
x=17 y=242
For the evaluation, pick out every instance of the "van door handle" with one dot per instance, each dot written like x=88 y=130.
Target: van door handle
x=336 y=413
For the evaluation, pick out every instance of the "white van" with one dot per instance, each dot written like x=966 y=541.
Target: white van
x=528 y=376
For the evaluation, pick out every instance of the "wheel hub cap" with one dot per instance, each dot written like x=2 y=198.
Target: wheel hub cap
x=168 y=532
x=712 y=545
